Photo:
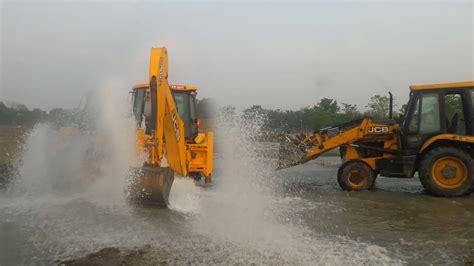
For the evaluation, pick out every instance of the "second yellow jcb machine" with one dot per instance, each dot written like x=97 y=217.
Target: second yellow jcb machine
x=435 y=138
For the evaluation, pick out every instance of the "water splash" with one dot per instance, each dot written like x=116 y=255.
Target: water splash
x=59 y=209
x=185 y=195
x=115 y=130
x=92 y=163
x=244 y=210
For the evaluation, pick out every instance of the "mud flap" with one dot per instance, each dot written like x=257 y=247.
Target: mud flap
x=151 y=185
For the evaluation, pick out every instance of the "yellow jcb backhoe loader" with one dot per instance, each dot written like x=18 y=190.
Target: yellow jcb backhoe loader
x=167 y=133
x=434 y=138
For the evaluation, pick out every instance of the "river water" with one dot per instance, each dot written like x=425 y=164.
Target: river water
x=251 y=214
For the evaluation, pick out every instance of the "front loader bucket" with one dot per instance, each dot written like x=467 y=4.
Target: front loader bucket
x=151 y=185
x=290 y=152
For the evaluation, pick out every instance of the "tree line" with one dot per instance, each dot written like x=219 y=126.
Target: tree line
x=21 y=115
x=327 y=112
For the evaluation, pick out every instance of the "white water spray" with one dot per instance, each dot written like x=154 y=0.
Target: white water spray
x=71 y=211
x=70 y=162
x=242 y=208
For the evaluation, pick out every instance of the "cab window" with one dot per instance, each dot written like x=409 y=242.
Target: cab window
x=138 y=106
x=192 y=107
x=180 y=102
x=425 y=115
x=430 y=120
x=413 y=126
x=472 y=102
x=455 y=120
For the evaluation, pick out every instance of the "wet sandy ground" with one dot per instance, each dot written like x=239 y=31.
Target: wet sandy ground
x=397 y=217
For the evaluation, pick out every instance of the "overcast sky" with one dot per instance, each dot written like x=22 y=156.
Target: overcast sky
x=276 y=54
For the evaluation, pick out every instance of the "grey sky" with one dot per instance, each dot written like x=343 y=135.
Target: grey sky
x=277 y=54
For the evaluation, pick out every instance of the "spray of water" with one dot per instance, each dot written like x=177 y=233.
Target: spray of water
x=116 y=131
x=71 y=162
x=243 y=209
x=185 y=196
x=68 y=205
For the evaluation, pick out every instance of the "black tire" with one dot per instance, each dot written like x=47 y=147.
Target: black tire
x=196 y=176
x=439 y=182
x=356 y=176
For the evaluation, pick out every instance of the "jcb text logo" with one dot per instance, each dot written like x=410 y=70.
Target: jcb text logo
x=377 y=130
x=175 y=125
x=160 y=70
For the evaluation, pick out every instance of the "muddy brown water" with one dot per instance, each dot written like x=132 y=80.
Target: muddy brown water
x=397 y=223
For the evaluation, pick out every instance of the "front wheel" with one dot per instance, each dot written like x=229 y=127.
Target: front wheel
x=196 y=176
x=356 y=176
x=447 y=172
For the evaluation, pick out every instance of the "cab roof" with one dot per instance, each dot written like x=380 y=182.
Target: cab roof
x=453 y=85
x=173 y=87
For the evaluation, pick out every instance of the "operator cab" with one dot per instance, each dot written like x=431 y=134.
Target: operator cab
x=185 y=100
x=438 y=109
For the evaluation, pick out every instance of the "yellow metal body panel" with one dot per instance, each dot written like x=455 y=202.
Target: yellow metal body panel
x=168 y=138
x=140 y=139
x=201 y=155
x=366 y=131
x=465 y=84
x=447 y=137
x=174 y=141
x=168 y=125
x=200 y=138
x=141 y=86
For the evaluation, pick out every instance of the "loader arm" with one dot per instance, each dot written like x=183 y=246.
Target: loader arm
x=296 y=152
x=325 y=142
x=168 y=128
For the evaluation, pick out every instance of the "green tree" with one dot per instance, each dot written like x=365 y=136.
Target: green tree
x=379 y=106
x=19 y=115
x=329 y=105
x=253 y=113
x=350 y=112
x=64 y=117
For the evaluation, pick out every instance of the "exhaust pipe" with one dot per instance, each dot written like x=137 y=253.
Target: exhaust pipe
x=390 y=112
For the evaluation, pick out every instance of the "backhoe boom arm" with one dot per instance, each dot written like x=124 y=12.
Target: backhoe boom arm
x=168 y=129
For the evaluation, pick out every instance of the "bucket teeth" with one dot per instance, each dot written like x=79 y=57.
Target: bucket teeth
x=151 y=185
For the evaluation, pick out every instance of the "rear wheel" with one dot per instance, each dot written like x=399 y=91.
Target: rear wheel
x=447 y=171
x=356 y=176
